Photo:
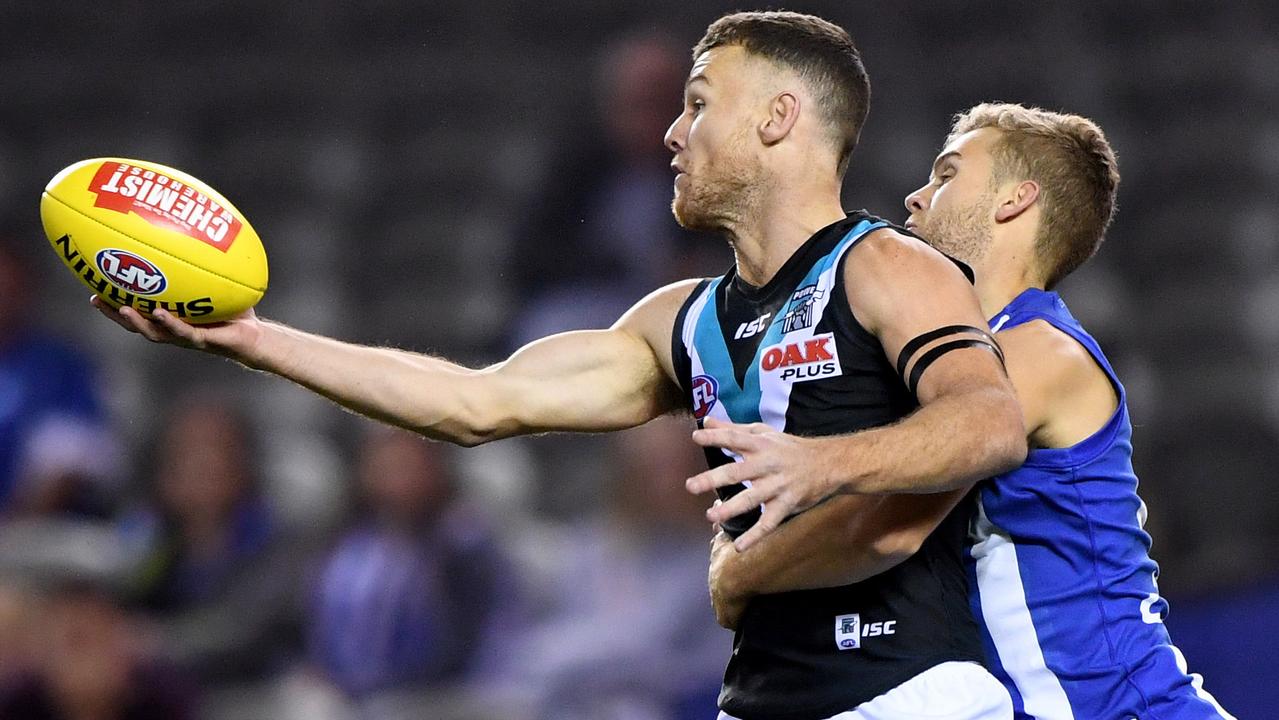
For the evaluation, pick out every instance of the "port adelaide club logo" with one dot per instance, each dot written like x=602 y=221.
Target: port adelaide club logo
x=131 y=272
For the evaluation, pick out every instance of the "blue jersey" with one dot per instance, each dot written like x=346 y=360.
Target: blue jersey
x=1061 y=579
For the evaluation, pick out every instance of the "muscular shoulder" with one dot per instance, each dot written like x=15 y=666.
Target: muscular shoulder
x=657 y=310
x=652 y=319
x=888 y=268
x=886 y=249
x=1064 y=393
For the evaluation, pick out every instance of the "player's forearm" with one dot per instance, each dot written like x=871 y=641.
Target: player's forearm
x=843 y=541
x=428 y=395
x=952 y=442
x=836 y=543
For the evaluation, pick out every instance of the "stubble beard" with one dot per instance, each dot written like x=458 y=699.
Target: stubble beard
x=722 y=195
x=962 y=233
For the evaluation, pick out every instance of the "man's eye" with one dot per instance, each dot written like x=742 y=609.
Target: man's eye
x=697 y=105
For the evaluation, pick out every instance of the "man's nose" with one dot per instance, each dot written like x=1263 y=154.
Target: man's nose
x=674 y=138
x=916 y=202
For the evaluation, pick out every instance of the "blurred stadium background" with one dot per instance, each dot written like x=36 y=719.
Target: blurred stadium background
x=181 y=538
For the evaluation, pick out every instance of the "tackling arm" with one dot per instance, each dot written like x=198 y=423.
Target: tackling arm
x=968 y=425
x=579 y=381
x=842 y=541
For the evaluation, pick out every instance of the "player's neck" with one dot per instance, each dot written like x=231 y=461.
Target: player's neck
x=998 y=286
x=769 y=234
x=1005 y=270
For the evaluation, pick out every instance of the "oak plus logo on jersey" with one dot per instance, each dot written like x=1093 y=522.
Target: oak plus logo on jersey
x=802 y=360
x=705 y=394
x=131 y=272
x=850 y=631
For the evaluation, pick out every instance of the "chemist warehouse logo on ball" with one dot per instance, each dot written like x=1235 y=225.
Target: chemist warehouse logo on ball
x=165 y=203
x=811 y=359
x=131 y=272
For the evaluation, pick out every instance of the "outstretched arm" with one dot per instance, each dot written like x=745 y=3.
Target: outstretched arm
x=968 y=425
x=586 y=381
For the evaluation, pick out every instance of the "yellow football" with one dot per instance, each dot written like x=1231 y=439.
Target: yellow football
x=148 y=236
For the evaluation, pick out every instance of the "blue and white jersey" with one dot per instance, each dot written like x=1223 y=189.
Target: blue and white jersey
x=1061 y=579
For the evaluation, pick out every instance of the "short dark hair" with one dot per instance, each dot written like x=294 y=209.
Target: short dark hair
x=821 y=52
x=1075 y=167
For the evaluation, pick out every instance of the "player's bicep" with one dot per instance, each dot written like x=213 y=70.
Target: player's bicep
x=594 y=380
x=924 y=312
x=588 y=380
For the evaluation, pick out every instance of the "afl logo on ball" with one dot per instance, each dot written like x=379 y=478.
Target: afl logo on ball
x=130 y=272
x=705 y=393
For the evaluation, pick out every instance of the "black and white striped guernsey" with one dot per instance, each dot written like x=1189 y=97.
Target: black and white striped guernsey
x=793 y=355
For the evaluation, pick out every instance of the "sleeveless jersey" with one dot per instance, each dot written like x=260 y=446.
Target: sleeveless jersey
x=1062 y=582
x=792 y=354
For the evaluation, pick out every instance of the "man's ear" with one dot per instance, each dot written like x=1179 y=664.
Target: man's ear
x=783 y=113
x=1016 y=203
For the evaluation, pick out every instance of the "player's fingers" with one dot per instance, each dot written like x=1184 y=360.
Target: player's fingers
x=174 y=326
x=743 y=502
x=759 y=428
x=142 y=326
x=734 y=438
x=727 y=474
x=111 y=313
x=767 y=523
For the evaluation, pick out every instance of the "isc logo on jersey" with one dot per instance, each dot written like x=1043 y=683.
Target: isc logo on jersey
x=802 y=360
x=849 y=630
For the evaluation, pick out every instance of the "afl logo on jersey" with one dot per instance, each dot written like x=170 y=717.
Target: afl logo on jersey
x=705 y=394
x=131 y=272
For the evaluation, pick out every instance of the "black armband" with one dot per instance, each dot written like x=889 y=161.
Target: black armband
x=983 y=340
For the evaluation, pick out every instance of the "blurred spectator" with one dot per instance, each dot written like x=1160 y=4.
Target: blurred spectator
x=55 y=451
x=90 y=667
x=221 y=574
x=18 y=639
x=602 y=235
x=631 y=633
x=410 y=591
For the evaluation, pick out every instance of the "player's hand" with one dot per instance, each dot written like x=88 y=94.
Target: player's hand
x=783 y=473
x=728 y=606
x=234 y=338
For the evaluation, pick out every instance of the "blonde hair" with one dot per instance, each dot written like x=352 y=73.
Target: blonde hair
x=1075 y=167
